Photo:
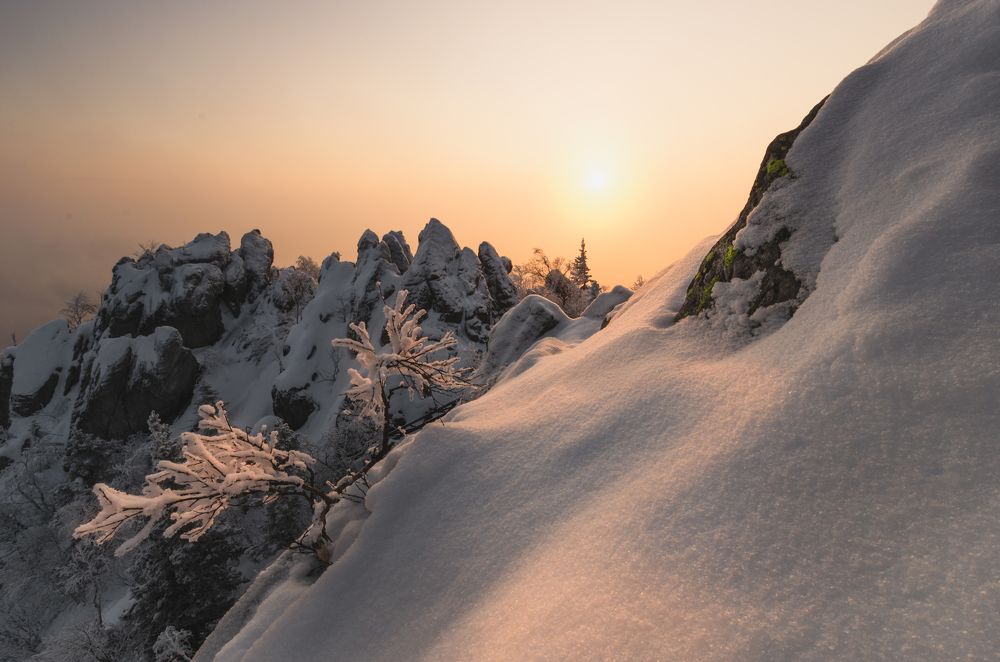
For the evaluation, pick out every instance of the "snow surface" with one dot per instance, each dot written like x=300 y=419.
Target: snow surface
x=830 y=490
x=41 y=354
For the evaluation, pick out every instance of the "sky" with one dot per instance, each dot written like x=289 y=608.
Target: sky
x=637 y=125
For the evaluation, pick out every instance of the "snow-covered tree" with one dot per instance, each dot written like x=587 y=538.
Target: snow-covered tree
x=144 y=248
x=172 y=645
x=186 y=586
x=307 y=265
x=407 y=363
x=163 y=445
x=297 y=289
x=80 y=576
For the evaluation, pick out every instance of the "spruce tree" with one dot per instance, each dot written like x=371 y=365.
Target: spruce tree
x=579 y=272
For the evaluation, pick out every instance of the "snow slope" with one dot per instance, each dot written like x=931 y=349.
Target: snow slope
x=829 y=489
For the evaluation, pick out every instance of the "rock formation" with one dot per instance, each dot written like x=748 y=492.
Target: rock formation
x=127 y=378
x=185 y=287
x=725 y=261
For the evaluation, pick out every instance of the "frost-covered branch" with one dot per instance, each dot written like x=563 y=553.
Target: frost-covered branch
x=220 y=464
x=405 y=363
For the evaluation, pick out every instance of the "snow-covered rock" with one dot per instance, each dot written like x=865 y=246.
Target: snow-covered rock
x=520 y=328
x=38 y=365
x=257 y=255
x=185 y=287
x=449 y=281
x=605 y=302
x=178 y=328
x=729 y=260
x=125 y=379
x=496 y=269
x=399 y=250
x=347 y=292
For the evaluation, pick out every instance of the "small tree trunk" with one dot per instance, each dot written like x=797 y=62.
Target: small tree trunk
x=97 y=603
x=386 y=423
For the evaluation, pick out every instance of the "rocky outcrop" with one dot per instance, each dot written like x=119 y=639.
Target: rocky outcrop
x=496 y=269
x=39 y=363
x=346 y=293
x=375 y=275
x=461 y=291
x=725 y=261
x=399 y=250
x=26 y=404
x=448 y=280
x=125 y=379
x=257 y=255
x=185 y=288
x=6 y=381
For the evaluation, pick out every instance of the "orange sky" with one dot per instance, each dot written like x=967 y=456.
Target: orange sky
x=636 y=124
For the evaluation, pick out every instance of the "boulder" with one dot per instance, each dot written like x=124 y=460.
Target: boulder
x=257 y=255
x=521 y=327
x=124 y=379
x=39 y=363
x=375 y=276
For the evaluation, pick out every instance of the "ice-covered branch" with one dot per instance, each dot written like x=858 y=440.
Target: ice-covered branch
x=407 y=361
x=221 y=463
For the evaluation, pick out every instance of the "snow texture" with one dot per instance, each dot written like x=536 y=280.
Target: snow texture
x=828 y=490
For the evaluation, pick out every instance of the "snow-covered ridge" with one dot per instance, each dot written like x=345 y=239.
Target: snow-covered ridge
x=178 y=328
x=228 y=312
x=666 y=491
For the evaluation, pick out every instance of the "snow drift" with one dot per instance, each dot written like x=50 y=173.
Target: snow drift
x=822 y=487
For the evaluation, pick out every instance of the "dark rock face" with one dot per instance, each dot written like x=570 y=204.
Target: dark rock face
x=293 y=405
x=26 y=404
x=257 y=255
x=399 y=250
x=496 y=269
x=6 y=380
x=127 y=378
x=449 y=281
x=724 y=262
x=185 y=288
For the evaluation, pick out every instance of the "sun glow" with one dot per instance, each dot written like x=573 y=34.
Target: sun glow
x=597 y=181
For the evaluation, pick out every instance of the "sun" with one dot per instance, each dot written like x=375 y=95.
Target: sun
x=597 y=181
